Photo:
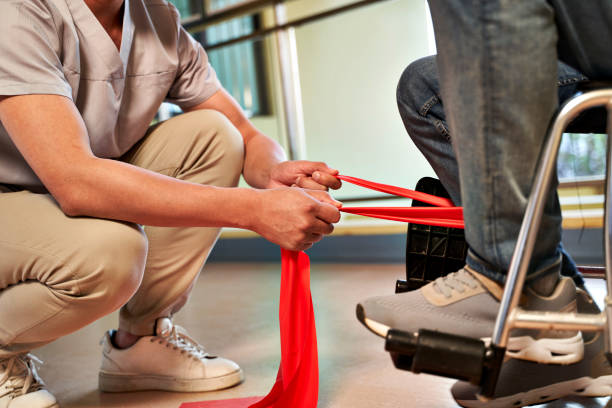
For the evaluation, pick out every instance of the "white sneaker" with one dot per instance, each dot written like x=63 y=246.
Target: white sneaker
x=20 y=385
x=169 y=361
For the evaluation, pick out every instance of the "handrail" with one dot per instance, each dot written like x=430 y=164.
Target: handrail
x=257 y=5
x=227 y=13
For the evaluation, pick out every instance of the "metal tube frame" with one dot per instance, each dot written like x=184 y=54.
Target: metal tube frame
x=243 y=8
x=290 y=86
x=261 y=33
x=608 y=229
x=509 y=315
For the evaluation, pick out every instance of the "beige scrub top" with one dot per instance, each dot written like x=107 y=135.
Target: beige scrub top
x=59 y=47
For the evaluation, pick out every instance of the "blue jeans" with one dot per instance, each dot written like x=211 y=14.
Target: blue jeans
x=421 y=109
x=497 y=65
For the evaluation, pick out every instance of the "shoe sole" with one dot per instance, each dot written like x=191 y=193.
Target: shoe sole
x=581 y=387
x=110 y=382
x=563 y=351
x=545 y=351
x=378 y=329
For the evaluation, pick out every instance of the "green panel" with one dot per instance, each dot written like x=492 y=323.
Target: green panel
x=186 y=8
x=237 y=65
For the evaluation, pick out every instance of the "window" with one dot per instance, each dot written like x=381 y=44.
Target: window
x=240 y=67
x=582 y=155
x=190 y=10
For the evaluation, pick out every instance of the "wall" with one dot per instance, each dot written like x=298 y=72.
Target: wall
x=349 y=67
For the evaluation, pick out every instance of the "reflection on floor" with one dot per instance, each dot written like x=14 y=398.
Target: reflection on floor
x=233 y=311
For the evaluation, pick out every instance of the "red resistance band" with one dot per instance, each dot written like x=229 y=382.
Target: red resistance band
x=443 y=215
x=297 y=382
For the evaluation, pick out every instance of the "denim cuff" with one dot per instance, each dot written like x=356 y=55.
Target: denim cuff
x=483 y=267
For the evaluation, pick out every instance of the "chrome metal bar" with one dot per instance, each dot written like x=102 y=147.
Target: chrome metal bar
x=533 y=213
x=608 y=228
x=558 y=321
x=294 y=23
x=290 y=85
x=244 y=8
x=596 y=272
x=607 y=331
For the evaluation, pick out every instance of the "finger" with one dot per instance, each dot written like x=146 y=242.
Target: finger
x=328 y=213
x=324 y=197
x=309 y=183
x=309 y=167
x=323 y=167
x=308 y=242
x=327 y=179
x=320 y=227
x=297 y=245
x=303 y=246
x=314 y=238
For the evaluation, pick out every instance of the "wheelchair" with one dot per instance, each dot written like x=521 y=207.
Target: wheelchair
x=474 y=360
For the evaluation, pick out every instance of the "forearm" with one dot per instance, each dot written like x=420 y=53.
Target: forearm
x=116 y=190
x=54 y=142
x=262 y=154
x=289 y=217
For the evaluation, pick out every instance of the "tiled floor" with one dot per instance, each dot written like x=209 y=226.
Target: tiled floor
x=233 y=311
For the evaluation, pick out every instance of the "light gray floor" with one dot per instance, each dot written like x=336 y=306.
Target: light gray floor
x=233 y=311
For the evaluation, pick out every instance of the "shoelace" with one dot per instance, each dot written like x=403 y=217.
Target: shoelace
x=179 y=338
x=20 y=374
x=457 y=281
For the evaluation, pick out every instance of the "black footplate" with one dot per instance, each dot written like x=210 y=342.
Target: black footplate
x=446 y=355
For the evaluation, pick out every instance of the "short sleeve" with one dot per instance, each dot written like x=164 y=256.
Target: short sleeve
x=29 y=50
x=196 y=80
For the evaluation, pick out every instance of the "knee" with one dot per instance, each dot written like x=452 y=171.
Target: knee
x=417 y=85
x=116 y=264
x=222 y=146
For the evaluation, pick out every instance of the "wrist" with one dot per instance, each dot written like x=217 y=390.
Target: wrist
x=248 y=209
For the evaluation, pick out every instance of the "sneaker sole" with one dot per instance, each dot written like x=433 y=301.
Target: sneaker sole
x=545 y=351
x=581 y=387
x=110 y=382
x=378 y=329
x=563 y=351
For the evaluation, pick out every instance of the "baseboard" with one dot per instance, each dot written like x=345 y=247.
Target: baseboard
x=389 y=248
x=585 y=246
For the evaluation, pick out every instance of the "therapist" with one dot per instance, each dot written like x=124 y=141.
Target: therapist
x=81 y=170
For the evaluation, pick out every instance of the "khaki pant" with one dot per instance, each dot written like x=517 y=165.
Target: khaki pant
x=59 y=273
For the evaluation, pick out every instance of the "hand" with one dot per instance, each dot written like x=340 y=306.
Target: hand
x=305 y=174
x=294 y=218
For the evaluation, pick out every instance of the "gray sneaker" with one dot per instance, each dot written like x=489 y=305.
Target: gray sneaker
x=170 y=361
x=20 y=385
x=523 y=383
x=465 y=303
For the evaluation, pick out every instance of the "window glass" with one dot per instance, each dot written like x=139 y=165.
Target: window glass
x=240 y=67
x=189 y=9
x=582 y=155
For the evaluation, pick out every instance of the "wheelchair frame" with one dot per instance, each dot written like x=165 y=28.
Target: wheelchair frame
x=473 y=360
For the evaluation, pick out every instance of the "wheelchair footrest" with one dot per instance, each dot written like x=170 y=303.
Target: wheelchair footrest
x=446 y=355
x=411 y=284
x=401 y=286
